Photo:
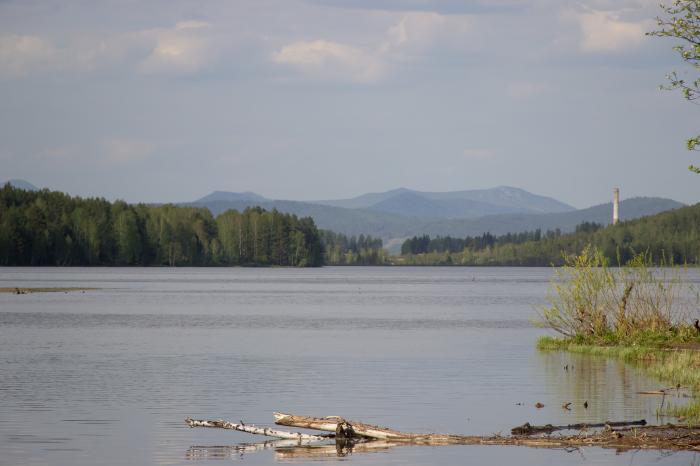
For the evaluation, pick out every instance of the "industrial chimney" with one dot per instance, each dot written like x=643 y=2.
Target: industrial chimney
x=616 y=205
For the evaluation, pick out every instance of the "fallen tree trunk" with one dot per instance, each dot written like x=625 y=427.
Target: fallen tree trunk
x=527 y=429
x=667 y=437
x=221 y=424
x=331 y=423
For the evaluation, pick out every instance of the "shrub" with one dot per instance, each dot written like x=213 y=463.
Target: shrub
x=592 y=302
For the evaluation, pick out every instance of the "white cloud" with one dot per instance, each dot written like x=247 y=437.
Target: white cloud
x=604 y=31
x=334 y=60
x=22 y=54
x=183 y=48
x=411 y=36
x=418 y=31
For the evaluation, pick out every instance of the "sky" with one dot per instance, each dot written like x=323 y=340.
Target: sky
x=168 y=100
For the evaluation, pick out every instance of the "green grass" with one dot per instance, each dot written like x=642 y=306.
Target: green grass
x=671 y=365
x=690 y=411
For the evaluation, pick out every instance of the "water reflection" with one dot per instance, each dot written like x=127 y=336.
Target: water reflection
x=603 y=389
x=292 y=451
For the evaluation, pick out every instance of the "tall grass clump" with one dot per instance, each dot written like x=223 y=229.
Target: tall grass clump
x=590 y=302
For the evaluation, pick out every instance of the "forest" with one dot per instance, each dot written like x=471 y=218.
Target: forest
x=339 y=249
x=53 y=228
x=671 y=237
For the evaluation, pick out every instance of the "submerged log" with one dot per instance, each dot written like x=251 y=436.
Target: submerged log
x=251 y=429
x=527 y=429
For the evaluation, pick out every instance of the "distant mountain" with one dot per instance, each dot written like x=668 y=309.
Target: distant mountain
x=412 y=204
x=20 y=184
x=508 y=197
x=384 y=213
x=226 y=196
x=365 y=200
x=453 y=204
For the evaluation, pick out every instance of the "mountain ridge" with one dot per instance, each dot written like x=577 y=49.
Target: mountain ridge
x=515 y=199
x=391 y=226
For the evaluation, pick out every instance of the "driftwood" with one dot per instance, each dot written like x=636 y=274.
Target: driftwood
x=350 y=434
x=251 y=429
x=527 y=429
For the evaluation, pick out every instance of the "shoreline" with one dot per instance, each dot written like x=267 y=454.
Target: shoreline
x=675 y=364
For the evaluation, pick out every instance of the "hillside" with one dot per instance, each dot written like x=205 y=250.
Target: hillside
x=565 y=221
x=389 y=225
x=667 y=237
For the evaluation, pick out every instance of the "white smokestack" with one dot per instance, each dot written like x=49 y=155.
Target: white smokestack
x=616 y=205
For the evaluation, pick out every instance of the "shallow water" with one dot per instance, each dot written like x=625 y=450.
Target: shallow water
x=107 y=376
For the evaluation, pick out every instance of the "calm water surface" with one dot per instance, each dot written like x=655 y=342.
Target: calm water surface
x=107 y=376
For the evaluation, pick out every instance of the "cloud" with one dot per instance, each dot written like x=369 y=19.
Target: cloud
x=22 y=54
x=604 y=31
x=411 y=37
x=182 y=48
x=445 y=7
x=417 y=32
x=326 y=59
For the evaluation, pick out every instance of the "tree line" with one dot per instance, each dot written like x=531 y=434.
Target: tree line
x=340 y=249
x=53 y=228
x=668 y=237
x=425 y=244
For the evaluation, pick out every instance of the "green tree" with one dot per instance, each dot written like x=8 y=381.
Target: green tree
x=682 y=21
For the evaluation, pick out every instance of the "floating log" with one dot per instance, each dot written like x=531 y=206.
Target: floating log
x=331 y=423
x=638 y=436
x=251 y=429
x=527 y=429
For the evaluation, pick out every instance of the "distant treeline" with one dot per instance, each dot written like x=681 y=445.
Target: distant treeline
x=425 y=244
x=342 y=250
x=52 y=228
x=668 y=237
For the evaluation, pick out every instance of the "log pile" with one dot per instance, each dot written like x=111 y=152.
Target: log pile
x=350 y=434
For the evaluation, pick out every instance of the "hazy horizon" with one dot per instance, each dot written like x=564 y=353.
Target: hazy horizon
x=318 y=199
x=330 y=99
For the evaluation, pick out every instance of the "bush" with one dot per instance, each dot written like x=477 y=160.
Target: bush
x=591 y=302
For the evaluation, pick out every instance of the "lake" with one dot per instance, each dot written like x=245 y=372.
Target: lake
x=107 y=376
